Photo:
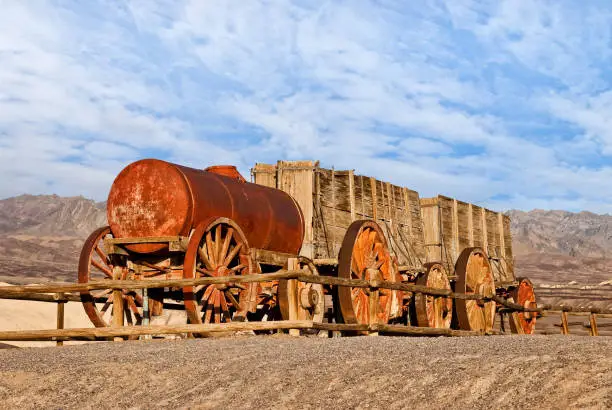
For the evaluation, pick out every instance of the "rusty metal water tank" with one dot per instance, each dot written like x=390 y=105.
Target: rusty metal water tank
x=151 y=197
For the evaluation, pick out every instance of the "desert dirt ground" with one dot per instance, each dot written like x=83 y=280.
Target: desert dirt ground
x=284 y=372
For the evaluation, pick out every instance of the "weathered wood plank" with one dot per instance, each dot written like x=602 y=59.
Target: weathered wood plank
x=270 y=257
x=110 y=332
x=60 y=317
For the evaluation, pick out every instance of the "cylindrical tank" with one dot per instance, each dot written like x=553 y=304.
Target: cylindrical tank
x=151 y=197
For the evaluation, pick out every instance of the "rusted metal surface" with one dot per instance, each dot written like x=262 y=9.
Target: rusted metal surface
x=157 y=198
x=474 y=275
x=226 y=170
x=434 y=311
x=524 y=295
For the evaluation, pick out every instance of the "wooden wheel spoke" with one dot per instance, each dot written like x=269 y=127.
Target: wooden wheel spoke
x=101 y=254
x=204 y=257
x=237 y=285
x=232 y=254
x=133 y=307
x=209 y=312
x=238 y=267
x=209 y=249
x=224 y=307
x=217 y=242
x=102 y=268
x=127 y=312
x=358 y=265
x=208 y=292
x=217 y=306
x=226 y=244
x=232 y=300
x=99 y=294
x=205 y=272
x=107 y=304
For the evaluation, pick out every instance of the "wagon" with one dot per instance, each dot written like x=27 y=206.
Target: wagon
x=437 y=242
x=169 y=221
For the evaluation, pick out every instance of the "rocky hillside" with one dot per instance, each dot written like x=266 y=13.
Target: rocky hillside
x=560 y=246
x=582 y=234
x=41 y=237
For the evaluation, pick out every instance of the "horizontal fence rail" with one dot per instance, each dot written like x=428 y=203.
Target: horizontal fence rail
x=8 y=291
x=61 y=293
x=111 y=332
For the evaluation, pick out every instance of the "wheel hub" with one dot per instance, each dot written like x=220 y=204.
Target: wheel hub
x=309 y=298
x=221 y=271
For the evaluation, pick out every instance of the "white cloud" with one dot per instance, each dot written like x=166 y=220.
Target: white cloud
x=478 y=100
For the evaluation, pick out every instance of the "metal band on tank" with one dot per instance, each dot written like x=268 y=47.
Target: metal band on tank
x=188 y=227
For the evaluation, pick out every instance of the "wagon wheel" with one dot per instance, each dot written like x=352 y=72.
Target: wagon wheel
x=310 y=296
x=266 y=303
x=474 y=275
x=364 y=255
x=95 y=265
x=524 y=295
x=218 y=247
x=434 y=311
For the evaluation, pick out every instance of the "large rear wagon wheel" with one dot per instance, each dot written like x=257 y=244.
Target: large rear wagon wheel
x=96 y=265
x=218 y=248
x=434 y=311
x=364 y=255
x=524 y=295
x=474 y=276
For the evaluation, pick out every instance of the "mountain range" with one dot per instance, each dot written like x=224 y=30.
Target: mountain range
x=41 y=237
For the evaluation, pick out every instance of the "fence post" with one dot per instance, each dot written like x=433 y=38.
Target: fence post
x=373 y=300
x=117 y=302
x=146 y=314
x=293 y=264
x=593 y=329
x=564 y=325
x=60 y=315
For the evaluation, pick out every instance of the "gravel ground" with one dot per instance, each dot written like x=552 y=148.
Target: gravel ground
x=284 y=372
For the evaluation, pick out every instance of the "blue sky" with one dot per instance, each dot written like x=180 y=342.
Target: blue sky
x=503 y=103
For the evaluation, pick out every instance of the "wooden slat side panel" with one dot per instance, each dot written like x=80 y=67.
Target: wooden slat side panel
x=320 y=245
x=264 y=174
x=363 y=196
x=325 y=187
x=431 y=232
x=342 y=195
x=297 y=179
x=416 y=223
x=509 y=256
x=449 y=254
x=463 y=225
x=477 y=233
x=493 y=249
x=397 y=229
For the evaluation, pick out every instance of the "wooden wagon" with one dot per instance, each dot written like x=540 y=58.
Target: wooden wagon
x=437 y=242
x=168 y=221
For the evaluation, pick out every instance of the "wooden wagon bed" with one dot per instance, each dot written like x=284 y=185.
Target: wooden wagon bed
x=331 y=200
x=450 y=226
x=418 y=230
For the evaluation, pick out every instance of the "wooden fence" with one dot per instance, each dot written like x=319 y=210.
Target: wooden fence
x=62 y=293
